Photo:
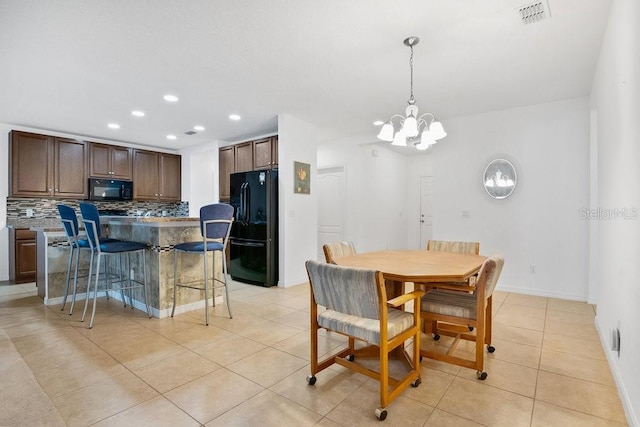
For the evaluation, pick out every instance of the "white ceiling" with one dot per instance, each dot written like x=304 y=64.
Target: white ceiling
x=76 y=65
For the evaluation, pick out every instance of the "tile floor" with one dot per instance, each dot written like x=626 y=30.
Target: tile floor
x=549 y=369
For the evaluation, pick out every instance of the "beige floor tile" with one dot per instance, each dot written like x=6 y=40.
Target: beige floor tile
x=580 y=330
x=569 y=344
x=79 y=374
x=434 y=384
x=267 y=409
x=299 y=345
x=296 y=319
x=267 y=366
x=579 y=395
x=441 y=418
x=331 y=388
x=231 y=349
x=587 y=320
x=137 y=353
x=507 y=376
x=174 y=371
x=518 y=335
x=157 y=412
x=486 y=405
x=268 y=332
x=521 y=316
x=527 y=300
x=520 y=354
x=326 y=422
x=499 y=295
x=62 y=353
x=28 y=343
x=197 y=336
x=359 y=410
x=571 y=306
x=546 y=415
x=101 y=400
x=297 y=303
x=212 y=395
x=573 y=365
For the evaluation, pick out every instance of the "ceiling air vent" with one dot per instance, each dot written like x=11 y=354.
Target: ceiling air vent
x=534 y=12
x=190 y=132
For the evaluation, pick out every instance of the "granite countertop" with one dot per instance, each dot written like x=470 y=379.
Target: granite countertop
x=54 y=224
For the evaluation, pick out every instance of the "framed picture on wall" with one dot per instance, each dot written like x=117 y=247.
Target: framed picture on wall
x=301 y=178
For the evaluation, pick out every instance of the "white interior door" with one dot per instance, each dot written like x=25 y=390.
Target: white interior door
x=426 y=210
x=331 y=206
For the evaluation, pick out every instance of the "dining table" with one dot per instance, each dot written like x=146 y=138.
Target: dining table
x=417 y=266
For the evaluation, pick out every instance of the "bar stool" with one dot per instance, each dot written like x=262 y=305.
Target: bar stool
x=215 y=226
x=91 y=221
x=70 y=223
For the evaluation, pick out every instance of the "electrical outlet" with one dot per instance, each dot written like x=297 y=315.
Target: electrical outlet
x=29 y=212
x=615 y=340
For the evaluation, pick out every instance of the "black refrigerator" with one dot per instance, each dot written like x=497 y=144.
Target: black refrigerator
x=254 y=234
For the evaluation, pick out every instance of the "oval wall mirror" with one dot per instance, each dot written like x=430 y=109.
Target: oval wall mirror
x=499 y=179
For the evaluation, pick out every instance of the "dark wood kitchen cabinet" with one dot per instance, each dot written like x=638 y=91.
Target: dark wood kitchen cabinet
x=156 y=176
x=244 y=157
x=22 y=255
x=110 y=161
x=265 y=153
x=227 y=162
x=47 y=166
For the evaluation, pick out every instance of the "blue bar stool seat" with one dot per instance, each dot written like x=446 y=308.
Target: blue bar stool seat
x=99 y=247
x=215 y=227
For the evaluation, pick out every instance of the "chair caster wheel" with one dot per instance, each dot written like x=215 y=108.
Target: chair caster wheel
x=311 y=379
x=420 y=359
x=491 y=349
x=416 y=382
x=350 y=358
x=381 y=414
x=481 y=375
x=436 y=337
x=470 y=328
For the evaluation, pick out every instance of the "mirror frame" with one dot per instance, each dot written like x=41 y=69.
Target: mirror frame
x=500 y=179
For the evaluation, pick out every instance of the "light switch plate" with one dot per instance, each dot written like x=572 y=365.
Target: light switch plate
x=29 y=212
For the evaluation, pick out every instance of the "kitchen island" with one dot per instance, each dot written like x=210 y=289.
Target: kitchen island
x=161 y=234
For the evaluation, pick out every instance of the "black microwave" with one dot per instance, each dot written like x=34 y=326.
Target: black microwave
x=110 y=189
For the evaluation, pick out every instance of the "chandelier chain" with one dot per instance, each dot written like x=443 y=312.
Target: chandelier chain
x=411 y=99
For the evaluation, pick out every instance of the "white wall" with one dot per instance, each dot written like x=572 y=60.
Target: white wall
x=539 y=224
x=298 y=212
x=376 y=180
x=616 y=102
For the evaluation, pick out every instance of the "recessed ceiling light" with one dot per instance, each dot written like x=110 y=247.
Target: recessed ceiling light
x=171 y=137
x=234 y=117
x=198 y=128
x=137 y=113
x=378 y=123
x=114 y=125
x=171 y=98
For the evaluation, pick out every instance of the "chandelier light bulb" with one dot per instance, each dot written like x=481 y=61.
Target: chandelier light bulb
x=386 y=132
x=399 y=140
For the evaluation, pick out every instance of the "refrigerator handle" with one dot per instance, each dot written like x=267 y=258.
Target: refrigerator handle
x=247 y=200
x=242 y=207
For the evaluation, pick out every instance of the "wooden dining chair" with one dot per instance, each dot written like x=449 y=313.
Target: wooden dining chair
x=356 y=306
x=462 y=309
x=338 y=250
x=457 y=247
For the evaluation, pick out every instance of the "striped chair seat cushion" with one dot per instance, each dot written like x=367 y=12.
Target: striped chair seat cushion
x=450 y=303
x=363 y=328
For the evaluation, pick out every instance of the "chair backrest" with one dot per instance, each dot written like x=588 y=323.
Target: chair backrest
x=89 y=212
x=353 y=291
x=490 y=273
x=69 y=221
x=458 y=247
x=338 y=250
x=216 y=211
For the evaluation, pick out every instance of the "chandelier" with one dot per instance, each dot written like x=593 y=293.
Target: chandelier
x=422 y=131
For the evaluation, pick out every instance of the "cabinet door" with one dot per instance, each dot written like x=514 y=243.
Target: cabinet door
x=227 y=166
x=145 y=175
x=244 y=157
x=31 y=164
x=25 y=256
x=262 y=154
x=99 y=160
x=70 y=168
x=274 y=152
x=121 y=163
x=170 y=177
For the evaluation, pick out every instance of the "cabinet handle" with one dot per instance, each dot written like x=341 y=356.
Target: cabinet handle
x=160 y=194
x=156 y=194
x=56 y=189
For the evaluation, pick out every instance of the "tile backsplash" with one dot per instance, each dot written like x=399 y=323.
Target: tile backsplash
x=48 y=208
